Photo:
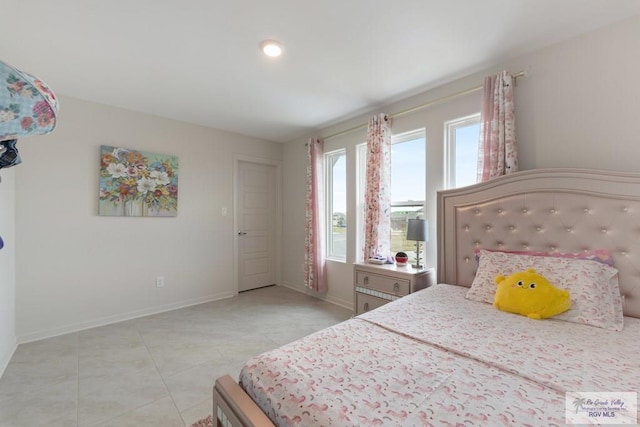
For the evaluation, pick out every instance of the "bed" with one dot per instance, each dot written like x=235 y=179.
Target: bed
x=445 y=355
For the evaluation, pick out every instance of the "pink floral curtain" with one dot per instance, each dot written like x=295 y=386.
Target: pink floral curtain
x=377 y=197
x=497 y=151
x=314 y=262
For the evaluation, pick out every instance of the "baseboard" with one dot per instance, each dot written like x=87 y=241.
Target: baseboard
x=76 y=327
x=299 y=288
x=328 y=298
x=339 y=302
x=4 y=361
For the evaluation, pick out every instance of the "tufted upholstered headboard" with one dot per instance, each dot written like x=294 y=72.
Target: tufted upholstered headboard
x=566 y=210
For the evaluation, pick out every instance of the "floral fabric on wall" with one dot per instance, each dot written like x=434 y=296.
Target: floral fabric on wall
x=136 y=183
x=27 y=105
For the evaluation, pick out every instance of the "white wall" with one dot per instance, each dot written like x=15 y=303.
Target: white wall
x=578 y=106
x=75 y=269
x=581 y=104
x=7 y=268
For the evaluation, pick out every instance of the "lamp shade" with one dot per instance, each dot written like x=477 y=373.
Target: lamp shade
x=27 y=105
x=417 y=230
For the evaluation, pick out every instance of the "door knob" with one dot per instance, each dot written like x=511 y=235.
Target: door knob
x=241 y=233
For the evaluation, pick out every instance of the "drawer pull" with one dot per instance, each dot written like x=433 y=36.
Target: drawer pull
x=365 y=280
x=366 y=306
x=396 y=287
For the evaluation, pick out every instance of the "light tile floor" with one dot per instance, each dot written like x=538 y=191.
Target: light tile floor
x=153 y=371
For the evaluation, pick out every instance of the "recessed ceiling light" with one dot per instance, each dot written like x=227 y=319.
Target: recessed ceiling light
x=271 y=48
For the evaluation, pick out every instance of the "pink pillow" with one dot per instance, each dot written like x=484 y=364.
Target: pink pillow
x=594 y=288
x=600 y=255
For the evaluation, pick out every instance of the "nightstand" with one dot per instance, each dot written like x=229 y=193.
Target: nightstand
x=375 y=285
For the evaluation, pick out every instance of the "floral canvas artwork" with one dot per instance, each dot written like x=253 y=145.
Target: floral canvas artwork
x=137 y=183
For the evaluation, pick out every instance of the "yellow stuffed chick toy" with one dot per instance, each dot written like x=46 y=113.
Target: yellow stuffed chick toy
x=530 y=294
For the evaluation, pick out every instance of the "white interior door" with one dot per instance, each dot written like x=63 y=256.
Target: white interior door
x=256 y=220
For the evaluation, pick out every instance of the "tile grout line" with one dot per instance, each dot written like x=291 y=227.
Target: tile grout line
x=103 y=422
x=166 y=387
x=193 y=406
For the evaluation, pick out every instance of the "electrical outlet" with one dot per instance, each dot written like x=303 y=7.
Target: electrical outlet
x=160 y=282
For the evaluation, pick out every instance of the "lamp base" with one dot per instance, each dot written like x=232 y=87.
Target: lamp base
x=417 y=264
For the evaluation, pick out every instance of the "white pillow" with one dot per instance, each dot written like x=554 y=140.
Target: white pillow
x=594 y=288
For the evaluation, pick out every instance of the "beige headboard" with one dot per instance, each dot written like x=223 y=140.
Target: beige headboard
x=566 y=210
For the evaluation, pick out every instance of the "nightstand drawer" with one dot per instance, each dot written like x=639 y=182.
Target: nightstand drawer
x=376 y=285
x=389 y=285
x=366 y=303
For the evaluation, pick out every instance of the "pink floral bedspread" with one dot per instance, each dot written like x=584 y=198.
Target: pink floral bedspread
x=436 y=358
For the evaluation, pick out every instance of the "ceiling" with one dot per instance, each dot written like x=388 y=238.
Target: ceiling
x=198 y=61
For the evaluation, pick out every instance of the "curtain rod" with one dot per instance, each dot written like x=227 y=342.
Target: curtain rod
x=420 y=107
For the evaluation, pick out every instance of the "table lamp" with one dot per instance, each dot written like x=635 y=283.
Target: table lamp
x=417 y=230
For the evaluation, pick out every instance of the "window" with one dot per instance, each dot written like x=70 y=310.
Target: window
x=408 y=175
x=462 y=136
x=336 y=204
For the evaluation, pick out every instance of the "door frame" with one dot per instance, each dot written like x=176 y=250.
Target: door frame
x=277 y=164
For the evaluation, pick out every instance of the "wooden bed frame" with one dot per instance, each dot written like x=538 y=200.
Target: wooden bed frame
x=565 y=210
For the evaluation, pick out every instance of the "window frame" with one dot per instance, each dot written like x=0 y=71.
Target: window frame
x=450 y=128
x=328 y=220
x=420 y=204
x=406 y=137
x=361 y=179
